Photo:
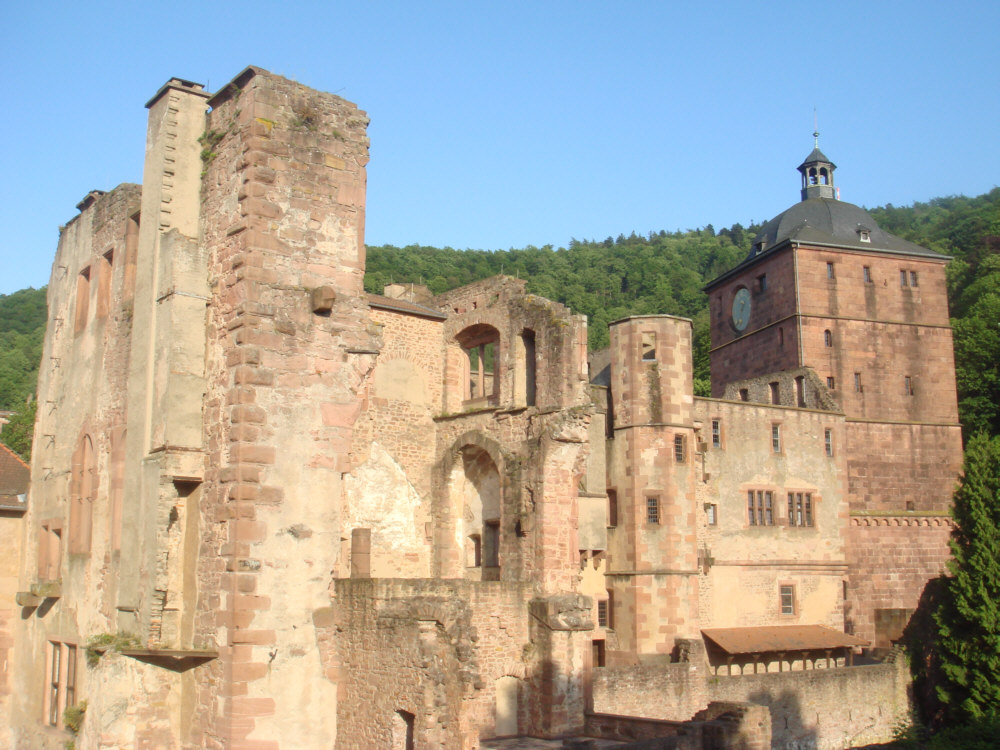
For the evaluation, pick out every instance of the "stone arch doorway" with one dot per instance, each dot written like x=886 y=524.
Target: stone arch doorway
x=475 y=494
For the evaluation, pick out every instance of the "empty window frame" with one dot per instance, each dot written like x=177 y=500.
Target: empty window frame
x=653 y=509
x=831 y=383
x=680 y=445
x=60 y=690
x=800 y=509
x=775 y=392
x=762 y=283
x=903 y=278
x=760 y=507
x=648 y=346
x=716 y=433
x=800 y=391
x=612 y=507
x=913 y=278
x=776 y=438
x=787 y=599
x=828 y=441
x=611 y=609
x=744 y=394
x=867 y=271
x=830 y=273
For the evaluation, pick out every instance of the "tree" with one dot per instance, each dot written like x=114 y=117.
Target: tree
x=17 y=432
x=968 y=619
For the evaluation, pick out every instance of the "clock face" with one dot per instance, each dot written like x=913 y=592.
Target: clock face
x=741 y=309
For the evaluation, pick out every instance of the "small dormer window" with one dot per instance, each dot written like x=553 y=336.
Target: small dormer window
x=758 y=247
x=864 y=234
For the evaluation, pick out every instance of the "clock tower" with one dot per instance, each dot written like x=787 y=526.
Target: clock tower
x=825 y=288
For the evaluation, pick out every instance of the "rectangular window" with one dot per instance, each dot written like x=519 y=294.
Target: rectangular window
x=776 y=438
x=908 y=385
x=788 y=600
x=712 y=511
x=800 y=391
x=903 y=278
x=648 y=346
x=762 y=282
x=913 y=278
x=868 y=274
x=612 y=507
x=716 y=433
x=55 y=681
x=829 y=271
x=744 y=394
x=70 y=687
x=760 y=507
x=775 y=393
x=857 y=382
x=602 y=613
x=652 y=509
x=800 y=509
x=830 y=383
x=611 y=609
x=828 y=438
x=679 y=448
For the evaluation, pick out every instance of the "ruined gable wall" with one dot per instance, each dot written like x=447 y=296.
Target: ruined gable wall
x=389 y=490
x=283 y=201
x=81 y=393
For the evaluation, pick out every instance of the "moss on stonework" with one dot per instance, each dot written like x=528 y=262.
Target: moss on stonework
x=98 y=645
x=655 y=396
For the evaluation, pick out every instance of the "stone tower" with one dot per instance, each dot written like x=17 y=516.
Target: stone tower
x=824 y=287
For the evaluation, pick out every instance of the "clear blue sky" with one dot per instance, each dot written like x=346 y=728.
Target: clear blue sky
x=498 y=125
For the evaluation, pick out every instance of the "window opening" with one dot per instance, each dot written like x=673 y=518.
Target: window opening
x=648 y=346
x=612 y=507
x=712 y=511
x=611 y=609
x=55 y=680
x=530 y=367
x=776 y=438
x=908 y=385
x=599 y=653
x=868 y=274
x=830 y=383
x=828 y=338
x=857 y=382
x=829 y=271
x=781 y=338
x=716 y=433
x=760 y=507
x=679 y=446
x=602 y=613
x=744 y=394
x=828 y=438
x=104 y=284
x=652 y=509
x=775 y=392
x=903 y=278
x=762 y=283
x=788 y=600
x=800 y=391
x=913 y=278
x=800 y=509
x=481 y=344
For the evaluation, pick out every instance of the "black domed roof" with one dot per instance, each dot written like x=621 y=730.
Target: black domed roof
x=825 y=221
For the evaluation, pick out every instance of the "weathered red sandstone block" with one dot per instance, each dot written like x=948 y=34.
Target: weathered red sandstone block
x=254 y=637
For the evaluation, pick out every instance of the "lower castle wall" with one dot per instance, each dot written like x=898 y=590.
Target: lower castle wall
x=827 y=709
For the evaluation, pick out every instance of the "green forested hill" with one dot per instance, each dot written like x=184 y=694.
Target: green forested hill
x=661 y=272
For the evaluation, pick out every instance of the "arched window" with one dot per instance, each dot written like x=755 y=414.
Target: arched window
x=827 y=338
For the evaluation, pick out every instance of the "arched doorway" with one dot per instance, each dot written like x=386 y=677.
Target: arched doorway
x=475 y=493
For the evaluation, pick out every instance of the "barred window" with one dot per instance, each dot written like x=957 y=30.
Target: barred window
x=800 y=512
x=653 y=509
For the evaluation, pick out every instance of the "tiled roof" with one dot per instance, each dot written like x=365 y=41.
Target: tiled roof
x=771 y=638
